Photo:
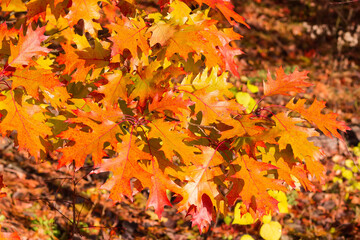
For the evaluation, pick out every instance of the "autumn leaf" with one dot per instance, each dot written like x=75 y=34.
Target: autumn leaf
x=297 y=137
x=36 y=9
x=202 y=214
x=33 y=80
x=161 y=33
x=125 y=167
x=73 y=64
x=201 y=179
x=6 y=34
x=28 y=121
x=79 y=61
x=27 y=47
x=327 y=123
x=284 y=84
x=246 y=125
x=158 y=185
x=86 y=10
x=200 y=38
x=288 y=169
x=250 y=184
x=89 y=141
x=129 y=34
x=115 y=88
x=13 y=5
x=172 y=137
x=213 y=106
x=170 y=102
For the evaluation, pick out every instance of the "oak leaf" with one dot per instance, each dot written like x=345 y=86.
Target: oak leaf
x=161 y=33
x=327 y=123
x=89 y=141
x=284 y=84
x=251 y=185
x=297 y=137
x=124 y=167
x=33 y=80
x=129 y=34
x=115 y=88
x=203 y=177
x=226 y=8
x=172 y=137
x=27 y=47
x=86 y=10
x=28 y=121
x=170 y=102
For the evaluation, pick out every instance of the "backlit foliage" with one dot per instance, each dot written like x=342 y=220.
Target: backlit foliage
x=145 y=93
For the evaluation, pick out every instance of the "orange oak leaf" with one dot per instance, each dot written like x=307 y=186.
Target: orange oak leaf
x=228 y=51
x=226 y=8
x=33 y=80
x=125 y=167
x=158 y=184
x=284 y=84
x=87 y=10
x=201 y=38
x=161 y=33
x=28 y=121
x=245 y=125
x=27 y=47
x=151 y=80
x=288 y=169
x=172 y=137
x=6 y=34
x=89 y=141
x=170 y=102
x=144 y=84
x=36 y=9
x=251 y=185
x=297 y=137
x=79 y=61
x=201 y=179
x=213 y=105
x=115 y=88
x=12 y=5
x=73 y=62
x=58 y=97
x=327 y=123
x=129 y=34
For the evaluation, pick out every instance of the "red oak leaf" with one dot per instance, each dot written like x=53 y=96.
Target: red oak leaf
x=284 y=84
x=27 y=47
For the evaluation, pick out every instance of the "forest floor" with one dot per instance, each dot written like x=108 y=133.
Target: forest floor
x=40 y=197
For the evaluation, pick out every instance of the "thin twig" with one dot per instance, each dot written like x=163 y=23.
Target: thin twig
x=74 y=203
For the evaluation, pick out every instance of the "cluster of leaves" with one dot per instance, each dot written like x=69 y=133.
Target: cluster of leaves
x=145 y=94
